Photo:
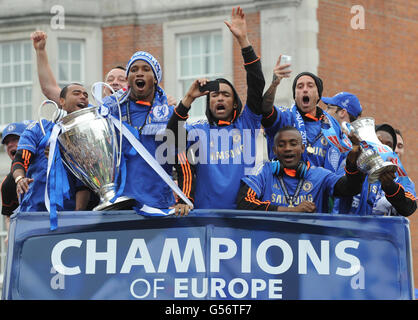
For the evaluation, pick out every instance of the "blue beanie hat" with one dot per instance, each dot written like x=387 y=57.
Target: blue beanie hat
x=147 y=57
x=318 y=82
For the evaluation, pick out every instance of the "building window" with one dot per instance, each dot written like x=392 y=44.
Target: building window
x=70 y=61
x=15 y=81
x=199 y=56
x=196 y=48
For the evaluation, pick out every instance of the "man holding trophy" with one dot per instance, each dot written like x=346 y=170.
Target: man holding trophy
x=388 y=190
x=145 y=113
x=30 y=163
x=380 y=196
x=393 y=193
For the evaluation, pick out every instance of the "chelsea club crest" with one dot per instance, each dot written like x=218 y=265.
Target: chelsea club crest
x=161 y=112
x=307 y=186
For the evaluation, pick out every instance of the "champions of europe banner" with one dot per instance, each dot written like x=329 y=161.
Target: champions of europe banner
x=210 y=255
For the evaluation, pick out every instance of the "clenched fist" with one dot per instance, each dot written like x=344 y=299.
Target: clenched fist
x=39 y=40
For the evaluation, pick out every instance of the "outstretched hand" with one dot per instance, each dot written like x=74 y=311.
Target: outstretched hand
x=238 y=27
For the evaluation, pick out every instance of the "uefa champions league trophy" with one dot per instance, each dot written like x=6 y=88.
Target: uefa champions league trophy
x=89 y=148
x=369 y=161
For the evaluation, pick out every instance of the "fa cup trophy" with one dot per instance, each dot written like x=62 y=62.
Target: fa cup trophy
x=370 y=160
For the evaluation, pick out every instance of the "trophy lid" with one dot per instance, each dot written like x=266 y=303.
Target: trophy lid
x=365 y=129
x=83 y=115
x=363 y=122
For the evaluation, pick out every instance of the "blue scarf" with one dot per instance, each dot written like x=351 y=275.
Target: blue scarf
x=157 y=117
x=336 y=136
x=132 y=136
x=300 y=124
x=57 y=187
x=387 y=154
x=330 y=128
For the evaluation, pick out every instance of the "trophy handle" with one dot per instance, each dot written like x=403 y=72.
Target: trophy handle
x=347 y=126
x=349 y=129
x=58 y=114
x=96 y=96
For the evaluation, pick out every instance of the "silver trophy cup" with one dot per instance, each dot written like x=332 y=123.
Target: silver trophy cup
x=88 y=144
x=370 y=161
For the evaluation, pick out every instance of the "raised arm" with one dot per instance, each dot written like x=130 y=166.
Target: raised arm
x=49 y=85
x=238 y=27
x=252 y=64
x=180 y=114
x=268 y=111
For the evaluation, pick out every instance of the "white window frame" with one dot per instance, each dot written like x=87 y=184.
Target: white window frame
x=70 y=61
x=171 y=32
x=23 y=83
x=201 y=101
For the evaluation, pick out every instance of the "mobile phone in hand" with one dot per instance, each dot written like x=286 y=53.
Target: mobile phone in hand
x=286 y=59
x=210 y=86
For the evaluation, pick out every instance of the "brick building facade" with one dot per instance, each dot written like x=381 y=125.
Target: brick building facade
x=376 y=65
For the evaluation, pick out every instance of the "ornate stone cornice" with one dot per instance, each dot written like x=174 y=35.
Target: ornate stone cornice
x=104 y=13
